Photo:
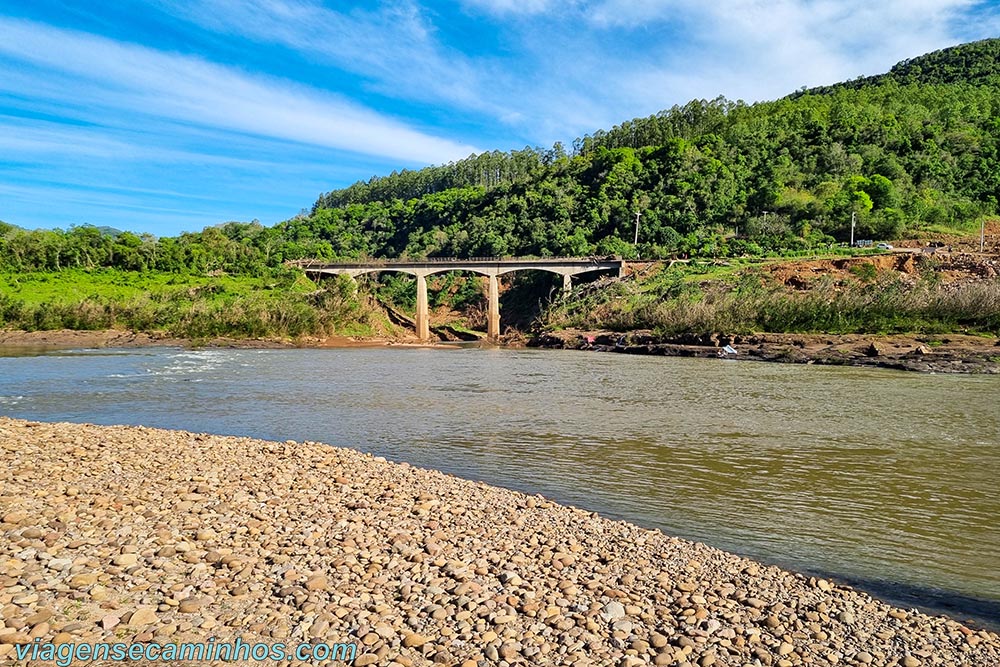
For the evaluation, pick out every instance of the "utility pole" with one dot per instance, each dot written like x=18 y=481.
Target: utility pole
x=636 y=241
x=852 y=228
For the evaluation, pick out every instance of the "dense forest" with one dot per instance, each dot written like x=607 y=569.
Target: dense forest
x=913 y=149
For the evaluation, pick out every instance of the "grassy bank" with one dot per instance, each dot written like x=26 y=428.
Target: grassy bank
x=670 y=302
x=282 y=303
x=869 y=294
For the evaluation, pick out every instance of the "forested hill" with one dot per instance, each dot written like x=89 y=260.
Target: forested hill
x=914 y=147
x=976 y=63
x=911 y=149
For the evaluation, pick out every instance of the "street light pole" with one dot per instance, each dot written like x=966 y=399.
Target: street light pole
x=853 y=213
x=636 y=241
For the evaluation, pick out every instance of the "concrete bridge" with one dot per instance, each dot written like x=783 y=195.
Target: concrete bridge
x=491 y=267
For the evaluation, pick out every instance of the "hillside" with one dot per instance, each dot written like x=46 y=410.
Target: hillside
x=913 y=149
x=975 y=63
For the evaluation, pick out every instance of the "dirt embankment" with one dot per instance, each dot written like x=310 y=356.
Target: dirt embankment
x=68 y=338
x=939 y=354
x=937 y=263
x=961 y=242
x=71 y=339
x=139 y=535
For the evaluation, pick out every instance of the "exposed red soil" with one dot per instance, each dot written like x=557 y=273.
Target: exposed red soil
x=947 y=267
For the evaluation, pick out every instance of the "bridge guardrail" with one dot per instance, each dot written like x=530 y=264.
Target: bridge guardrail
x=306 y=263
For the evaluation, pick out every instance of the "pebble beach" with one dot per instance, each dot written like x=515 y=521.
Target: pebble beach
x=133 y=534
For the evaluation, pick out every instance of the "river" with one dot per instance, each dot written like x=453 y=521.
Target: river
x=883 y=479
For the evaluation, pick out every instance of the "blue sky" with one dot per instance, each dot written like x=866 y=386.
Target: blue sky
x=165 y=116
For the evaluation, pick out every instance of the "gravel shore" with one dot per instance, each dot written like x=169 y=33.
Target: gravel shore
x=135 y=534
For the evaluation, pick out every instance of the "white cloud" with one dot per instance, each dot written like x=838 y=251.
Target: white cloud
x=519 y=7
x=95 y=73
x=752 y=50
x=589 y=64
x=87 y=195
x=394 y=46
x=44 y=141
x=631 y=13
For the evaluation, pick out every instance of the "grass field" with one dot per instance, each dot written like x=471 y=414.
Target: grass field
x=74 y=285
x=285 y=303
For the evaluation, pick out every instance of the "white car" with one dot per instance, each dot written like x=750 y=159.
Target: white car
x=884 y=246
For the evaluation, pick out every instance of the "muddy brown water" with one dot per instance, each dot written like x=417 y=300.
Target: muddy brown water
x=884 y=479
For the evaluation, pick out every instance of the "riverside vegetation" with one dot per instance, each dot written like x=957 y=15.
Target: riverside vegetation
x=911 y=153
x=282 y=302
x=750 y=300
x=144 y=535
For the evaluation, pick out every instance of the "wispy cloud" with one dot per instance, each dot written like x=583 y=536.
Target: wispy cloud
x=535 y=87
x=520 y=7
x=753 y=50
x=632 y=13
x=393 y=45
x=133 y=79
x=41 y=141
x=578 y=65
x=611 y=60
x=86 y=204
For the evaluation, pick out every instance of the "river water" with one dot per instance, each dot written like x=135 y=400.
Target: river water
x=884 y=479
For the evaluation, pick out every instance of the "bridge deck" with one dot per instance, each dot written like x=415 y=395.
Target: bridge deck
x=494 y=265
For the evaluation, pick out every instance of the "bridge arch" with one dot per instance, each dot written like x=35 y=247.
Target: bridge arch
x=492 y=268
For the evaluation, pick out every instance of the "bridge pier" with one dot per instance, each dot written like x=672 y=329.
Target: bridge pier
x=491 y=267
x=423 y=317
x=493 y=313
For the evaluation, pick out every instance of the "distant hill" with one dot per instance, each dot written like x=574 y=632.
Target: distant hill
x=913 y=148
x=975 y=63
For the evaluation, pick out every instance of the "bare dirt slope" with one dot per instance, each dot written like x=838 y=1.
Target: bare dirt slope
x=947 y=267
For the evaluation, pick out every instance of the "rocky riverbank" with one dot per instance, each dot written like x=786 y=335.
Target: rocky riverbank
x=136 y=534
x=949 y=353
